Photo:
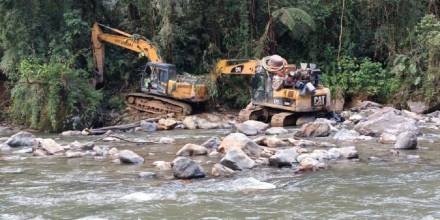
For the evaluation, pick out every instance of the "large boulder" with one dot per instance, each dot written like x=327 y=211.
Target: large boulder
x=185 y=168
x=241 y=142
x=49 y=146
x=21 y=139
x=167 y=124
x=387 y=120
x=314 y=129
x=130 y=157
x=190 y=122
x=417 y=106
x=251 y=127
x=406 y=141
x=284 y=158
x=192 y=150
x=236 y=159
x=276 y=131
x=220 y=170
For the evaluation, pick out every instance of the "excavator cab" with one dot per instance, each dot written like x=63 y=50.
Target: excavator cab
x=155 y=77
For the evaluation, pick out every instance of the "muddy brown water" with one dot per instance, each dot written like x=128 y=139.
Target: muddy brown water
x=378 y=186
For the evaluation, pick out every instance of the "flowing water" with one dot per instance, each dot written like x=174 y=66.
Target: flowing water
x=378 y=186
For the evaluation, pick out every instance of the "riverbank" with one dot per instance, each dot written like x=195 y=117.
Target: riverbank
x=383 y=181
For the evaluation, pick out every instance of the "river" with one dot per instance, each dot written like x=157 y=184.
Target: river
x=378 y=186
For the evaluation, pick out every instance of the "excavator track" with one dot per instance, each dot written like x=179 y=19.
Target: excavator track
x=258 y=114
x=283 y=119
x=156 y=104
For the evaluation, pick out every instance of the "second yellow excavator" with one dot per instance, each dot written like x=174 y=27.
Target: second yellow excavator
x=161 y=91
x=281 y=93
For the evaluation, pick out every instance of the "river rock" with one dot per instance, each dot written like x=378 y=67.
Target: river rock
x=192 y=150
x=205 y=124
x=356 y=118
x=368 y=105
x=82 y=146
x=147 y=175
x=190 y=122
x=310 y=164
x=251 y=127
x=212 y=143
x=413 y=115
x=236 y=159
x=185 y=168
x=21 y=139
x=130 y=157
x=220 y=170
x=272 y=141
x=71 y=133
x=73 y=154
x=283 y=158
x=344 y=152
x=276 y=131
x=388 y=120
x=167 y=124
x=326 y=145
x=5 y=147
x=148 y=126
x=386 y=138
x=349 y=135
x=166 y=140
x=241 y=142
x=50 y=146
x=162 y=165
x=301 y=142
x=6 y=131
x=417 y=106
x=304 y=120
x=406 y=141
x=314 y=129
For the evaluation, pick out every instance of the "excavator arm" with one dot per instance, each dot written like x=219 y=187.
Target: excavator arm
x=133 y=42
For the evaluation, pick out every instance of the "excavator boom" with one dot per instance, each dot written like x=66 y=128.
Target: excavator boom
x=131 y=42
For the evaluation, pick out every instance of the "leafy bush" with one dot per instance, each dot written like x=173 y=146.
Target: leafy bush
x=48 y=94
x=418 y=69
x=355 y=77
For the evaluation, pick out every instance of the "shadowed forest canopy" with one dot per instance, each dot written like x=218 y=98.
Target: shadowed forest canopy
x=375 y=49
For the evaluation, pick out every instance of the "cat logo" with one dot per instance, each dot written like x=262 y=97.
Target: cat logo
x=319 y=100
x=237 y=69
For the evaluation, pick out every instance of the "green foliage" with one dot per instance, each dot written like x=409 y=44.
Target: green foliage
x=296 y=22
x=231 y=91
x=418 y=69
x=49 y=93
x=364 y=78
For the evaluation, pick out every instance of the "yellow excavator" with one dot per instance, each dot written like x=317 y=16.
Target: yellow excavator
x=280 y=92
x=161 y=91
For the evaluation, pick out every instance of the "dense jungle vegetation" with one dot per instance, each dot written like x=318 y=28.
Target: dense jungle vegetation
x=388 y=50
